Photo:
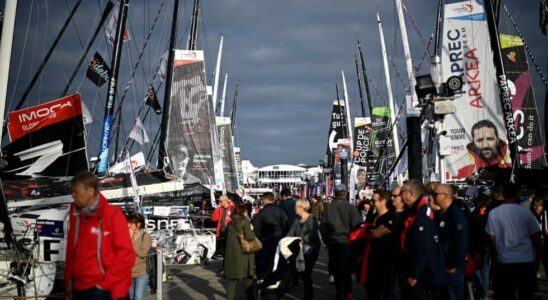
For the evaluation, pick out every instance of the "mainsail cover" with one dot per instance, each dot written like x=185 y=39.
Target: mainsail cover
x=46 y=140
x=466 y=53
x=189 y=131
x=523 y=102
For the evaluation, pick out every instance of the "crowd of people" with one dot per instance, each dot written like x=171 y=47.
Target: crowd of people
x=414 y=242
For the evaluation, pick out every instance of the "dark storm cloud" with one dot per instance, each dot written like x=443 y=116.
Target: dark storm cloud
x=287 y=56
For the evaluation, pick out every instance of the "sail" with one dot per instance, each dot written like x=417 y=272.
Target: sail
x=524 y=106
x=381 y=155
x=189 y=130
x=476 y=132
x=226 y=147
x=46 y=140
x=358 y=174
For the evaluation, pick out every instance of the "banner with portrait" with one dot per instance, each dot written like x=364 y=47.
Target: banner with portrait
x=358 y=173
x=189 y=131
x=476 y=136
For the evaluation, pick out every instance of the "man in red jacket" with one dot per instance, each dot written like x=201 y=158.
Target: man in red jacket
x=96 y=225
x=221 y=215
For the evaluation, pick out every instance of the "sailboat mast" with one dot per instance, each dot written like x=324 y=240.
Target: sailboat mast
x=389 y=89
x=365 y=80
x=193 y=36
x=217 y=72
x=234 y=108
x=347 y=112
x=358 y=75
x=167 y=94
x=223 y=96
x=112 y=84
x=504 y=90
x=6 y=42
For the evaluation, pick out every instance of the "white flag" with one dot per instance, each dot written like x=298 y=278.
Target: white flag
x=162 y=70
x=138 y=132
x=110 y=30
x=86 y=115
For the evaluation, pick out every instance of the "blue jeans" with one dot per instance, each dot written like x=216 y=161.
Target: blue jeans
x=138 y=287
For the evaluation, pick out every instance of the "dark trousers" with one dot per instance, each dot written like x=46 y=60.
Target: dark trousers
x=265 y=258
x=340 y=256
x=379 y=280
x=514 y=281
x=309 y=262
x=419 y=292
x=91 y=294
x=455 y=282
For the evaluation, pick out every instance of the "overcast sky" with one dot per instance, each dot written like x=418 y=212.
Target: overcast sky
x=286 y=54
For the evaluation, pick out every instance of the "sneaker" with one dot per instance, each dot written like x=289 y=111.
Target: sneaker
x=331 y=279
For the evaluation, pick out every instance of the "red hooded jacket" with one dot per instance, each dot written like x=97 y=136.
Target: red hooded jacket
x=218 y=214
x=111 y=267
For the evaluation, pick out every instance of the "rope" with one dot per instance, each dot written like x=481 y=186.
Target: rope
x=397 y=73
x=415 y=26
x=531 y=57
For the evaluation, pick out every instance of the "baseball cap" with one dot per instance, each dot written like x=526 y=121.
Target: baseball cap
x=340 y=188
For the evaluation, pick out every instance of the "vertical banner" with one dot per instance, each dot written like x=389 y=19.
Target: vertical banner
x=524 y=106
x=238 y=159
x=47 y=139
x=337 y=127
x=226 y=148
x=189 y=133
x=358 y=174
x=381 y=153
x=476 y=133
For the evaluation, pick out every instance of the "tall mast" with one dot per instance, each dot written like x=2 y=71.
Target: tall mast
x=5 y=53
x=504 y=90
x=193 y=35
x=365 y=80
x=437 y=34
x=413 y=123
x=347 y=111
x=112 y=84
x=389 y=89
x=167 y=94
x=234 y=107
x=223 y=96
x=217 y=72
x=359 y=76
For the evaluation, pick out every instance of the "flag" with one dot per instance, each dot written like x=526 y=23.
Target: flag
x=110 y=30
x=543 y=16
x=98 y=71
x=86 y=115
x=152 y=101
x=138 y=132
x=162 y=70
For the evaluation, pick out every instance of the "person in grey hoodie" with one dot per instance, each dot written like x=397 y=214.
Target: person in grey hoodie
x=338 y=220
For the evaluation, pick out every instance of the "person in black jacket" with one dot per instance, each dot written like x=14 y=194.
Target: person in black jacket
x=338 y=219
x=453 y=230
x=423 y=256
x=269 y=226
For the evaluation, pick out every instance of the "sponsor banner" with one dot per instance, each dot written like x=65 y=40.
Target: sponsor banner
x=381 y=155
x=135 y=163
x=138 y=132
x=50 y=228
x=46 y=140
x=98 y=71
x=337 y=129
x=110 y=30
x=226 y=148
x=362 y=128
x=526 y=116
x=476 y=132
x=152 y=100
x=189 y=143
x=238 y=158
